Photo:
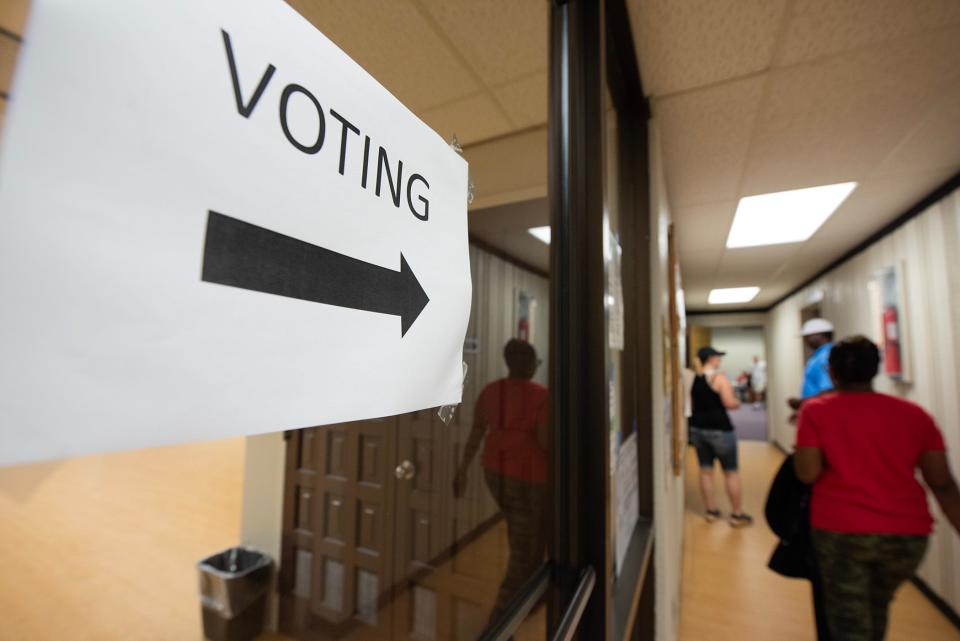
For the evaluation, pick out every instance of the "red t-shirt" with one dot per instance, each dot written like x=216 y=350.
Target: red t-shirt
x=871 y=446
x=512 y=409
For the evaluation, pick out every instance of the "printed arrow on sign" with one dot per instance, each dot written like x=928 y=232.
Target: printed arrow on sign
x=242 y=255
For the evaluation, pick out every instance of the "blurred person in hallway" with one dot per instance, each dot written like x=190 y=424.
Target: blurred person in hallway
x=512 y=413
x=870 y=520
x=817 y=334
x=758 y=381
x=712 y=435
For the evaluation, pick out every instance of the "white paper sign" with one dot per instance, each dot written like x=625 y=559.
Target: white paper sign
x=627 y=481
x=213 y=223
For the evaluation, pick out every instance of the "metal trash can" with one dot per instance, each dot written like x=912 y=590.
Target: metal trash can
x=233 y=594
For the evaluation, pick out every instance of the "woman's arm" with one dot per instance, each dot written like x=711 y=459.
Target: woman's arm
x=808 y=464
x=721 y=385
x=936 y=474
x=469 y=451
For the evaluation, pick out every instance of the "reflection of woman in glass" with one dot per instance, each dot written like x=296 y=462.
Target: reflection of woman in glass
x=512 y=412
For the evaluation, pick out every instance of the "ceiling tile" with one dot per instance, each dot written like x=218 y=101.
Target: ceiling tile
x=525 y=100
x=519 y=216
x=471 y=119
x=759 y=262
x=699 y=267
x=820 y=28
x=742 y=278
x=396 y=45
x=690 y=43
x=704 y=227
x=934 y=143
x=13 y=15
x=505 y=227
x=706 y=137
x=502 y=40
x=836 y=120
x=696 y=297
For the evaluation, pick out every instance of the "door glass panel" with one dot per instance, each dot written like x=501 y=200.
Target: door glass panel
x=304 y=571
x=624 y=477
x=412 y=527
x=416 y=527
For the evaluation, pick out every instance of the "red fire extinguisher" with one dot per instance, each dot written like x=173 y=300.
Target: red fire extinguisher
x=523 y=329
x=892 y=364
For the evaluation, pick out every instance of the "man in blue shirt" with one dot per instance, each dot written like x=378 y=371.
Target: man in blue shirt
x=818 y=335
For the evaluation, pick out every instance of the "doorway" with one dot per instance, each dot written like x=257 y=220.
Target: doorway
x=380 y=548
x=745 y=365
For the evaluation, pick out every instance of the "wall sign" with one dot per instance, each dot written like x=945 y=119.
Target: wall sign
x=213 y=223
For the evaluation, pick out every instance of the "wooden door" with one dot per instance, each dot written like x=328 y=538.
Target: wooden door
x=338 y=574
x=700 y=336
x=450 y=557
x=420 y=529
x=368 y=555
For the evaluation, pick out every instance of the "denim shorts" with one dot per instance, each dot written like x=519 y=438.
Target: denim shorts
x=715 y=445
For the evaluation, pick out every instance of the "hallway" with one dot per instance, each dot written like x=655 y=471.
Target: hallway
x=728 y=594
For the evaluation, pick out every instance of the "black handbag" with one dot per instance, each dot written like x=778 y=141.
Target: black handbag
x=788 y=514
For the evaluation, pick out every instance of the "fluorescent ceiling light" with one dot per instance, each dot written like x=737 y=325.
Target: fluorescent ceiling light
x=732 y=295
x=785 y=216
x=540 y=233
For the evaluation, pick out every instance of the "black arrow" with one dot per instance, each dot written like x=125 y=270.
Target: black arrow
x=242 y=255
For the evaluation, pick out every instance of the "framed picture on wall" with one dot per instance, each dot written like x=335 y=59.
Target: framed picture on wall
x=524 y=315
x=677 y=322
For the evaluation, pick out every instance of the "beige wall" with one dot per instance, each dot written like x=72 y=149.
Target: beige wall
x=261 y=520
x=741 y=344
x=928 y=248
x=668 y=488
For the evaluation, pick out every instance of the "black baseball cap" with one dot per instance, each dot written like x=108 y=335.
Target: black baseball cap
x=704 y=353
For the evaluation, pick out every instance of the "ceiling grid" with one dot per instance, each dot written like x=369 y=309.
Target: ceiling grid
x=796 y=94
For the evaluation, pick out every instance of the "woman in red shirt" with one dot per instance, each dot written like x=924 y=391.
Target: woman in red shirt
x=860 y=450
x=512 y=413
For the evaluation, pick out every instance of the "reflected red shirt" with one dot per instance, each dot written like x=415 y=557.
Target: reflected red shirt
x=512 y=409
x=871 y=446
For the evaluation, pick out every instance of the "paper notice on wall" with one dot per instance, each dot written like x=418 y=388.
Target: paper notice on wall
x=615 y=310
x=212 y=223
x=627 y=496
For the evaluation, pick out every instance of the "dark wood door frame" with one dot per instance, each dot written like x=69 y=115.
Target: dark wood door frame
x=578 y=328
x=592 y=49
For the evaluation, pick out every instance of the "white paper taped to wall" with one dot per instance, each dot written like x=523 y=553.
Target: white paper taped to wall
x=214 y=223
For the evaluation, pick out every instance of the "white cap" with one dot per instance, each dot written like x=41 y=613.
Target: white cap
x=816 y=326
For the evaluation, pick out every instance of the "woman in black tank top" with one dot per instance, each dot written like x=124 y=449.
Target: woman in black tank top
x=709 y=412
x=712 y=434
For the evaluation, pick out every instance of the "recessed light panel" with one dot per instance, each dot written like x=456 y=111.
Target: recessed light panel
x=785 y=216
x=732 y=295
x=540 y=233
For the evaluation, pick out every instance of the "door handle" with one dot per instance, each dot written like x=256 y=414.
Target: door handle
x=405 y=471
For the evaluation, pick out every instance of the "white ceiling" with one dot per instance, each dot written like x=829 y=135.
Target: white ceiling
x=752 y=96
x=450 y=61
x=757 y=96
x=505 y=228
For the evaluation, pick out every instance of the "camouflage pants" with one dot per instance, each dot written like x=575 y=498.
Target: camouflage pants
x=861 y=573
x=523 y=505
